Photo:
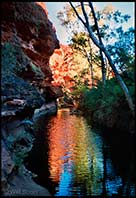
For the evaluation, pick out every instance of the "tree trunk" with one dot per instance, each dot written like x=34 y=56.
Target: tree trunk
x=100 y=40
x=90 y=63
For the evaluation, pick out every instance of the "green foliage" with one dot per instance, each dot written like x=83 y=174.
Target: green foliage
x=91 y=99
x=129 y=77
x=104 y=100
x=20 y=145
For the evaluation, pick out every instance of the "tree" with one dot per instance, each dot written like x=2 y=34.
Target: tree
x=108 y=21
x=101 y=46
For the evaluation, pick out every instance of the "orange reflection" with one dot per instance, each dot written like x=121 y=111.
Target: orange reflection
x=61 y=143
x=69 y=141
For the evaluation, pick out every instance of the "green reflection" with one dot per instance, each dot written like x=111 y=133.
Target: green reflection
x=88 y=167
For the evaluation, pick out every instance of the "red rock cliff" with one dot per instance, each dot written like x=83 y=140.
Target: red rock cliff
x=28 y=40
x=26 y=24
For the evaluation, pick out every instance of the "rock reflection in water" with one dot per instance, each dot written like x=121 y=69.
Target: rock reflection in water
x=78 y=158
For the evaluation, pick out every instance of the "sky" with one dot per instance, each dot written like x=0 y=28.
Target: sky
x=54 y=7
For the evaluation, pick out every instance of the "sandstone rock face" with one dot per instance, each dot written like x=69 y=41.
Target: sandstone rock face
x=28 y=40
x=25 y=25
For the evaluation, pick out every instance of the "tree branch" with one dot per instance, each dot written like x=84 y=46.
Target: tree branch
x=84 y=13
x=77 y=14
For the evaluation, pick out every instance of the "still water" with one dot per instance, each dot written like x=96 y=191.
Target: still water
x=74 y=160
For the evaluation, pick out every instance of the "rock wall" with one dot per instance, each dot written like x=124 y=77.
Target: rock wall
x=28 y=39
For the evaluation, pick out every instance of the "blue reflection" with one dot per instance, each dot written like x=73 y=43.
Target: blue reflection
x=65 y=184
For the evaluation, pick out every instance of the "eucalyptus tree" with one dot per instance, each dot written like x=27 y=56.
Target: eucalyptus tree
x=84 y=19
x=108 y=20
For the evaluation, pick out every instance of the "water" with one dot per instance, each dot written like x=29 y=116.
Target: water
x=71 y=159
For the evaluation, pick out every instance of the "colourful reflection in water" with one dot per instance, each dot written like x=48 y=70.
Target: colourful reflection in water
x=76 y=158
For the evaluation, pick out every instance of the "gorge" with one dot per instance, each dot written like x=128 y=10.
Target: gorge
x=79 y=146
